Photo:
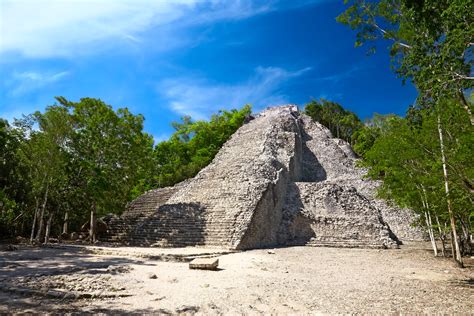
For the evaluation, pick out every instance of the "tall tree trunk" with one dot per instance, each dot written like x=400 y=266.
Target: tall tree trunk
x=41 y=223
x=442 y=236
x=92 y=230
x=456 y=251
x=429 y=223
x=48 y=228
x=430 y=232
x=33 y=225
x=66 y=220
x=451 y=241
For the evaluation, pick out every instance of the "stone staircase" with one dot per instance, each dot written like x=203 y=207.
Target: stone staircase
x=149 y=202
x=341 y=243
x=137 y=212
x=171 y=227
x=247 y=174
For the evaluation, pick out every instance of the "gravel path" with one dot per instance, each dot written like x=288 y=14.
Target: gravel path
x=284 y=280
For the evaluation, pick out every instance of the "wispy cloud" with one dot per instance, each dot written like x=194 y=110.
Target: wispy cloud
x=52 y=28
x=199 y=98
x=63 y=28
x=27 y=81
x=348 y=73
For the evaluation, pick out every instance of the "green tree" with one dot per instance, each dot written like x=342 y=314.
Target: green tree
x=44 y=155
x=432 y=42
x=13 y=187
x=111 y=151
x=75 y=160
x=364 y=137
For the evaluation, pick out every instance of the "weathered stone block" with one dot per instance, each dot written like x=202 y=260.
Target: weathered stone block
x=204 y=263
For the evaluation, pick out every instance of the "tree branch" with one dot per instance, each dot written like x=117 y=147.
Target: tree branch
x=463 y=77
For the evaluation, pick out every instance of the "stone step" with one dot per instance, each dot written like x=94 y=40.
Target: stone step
x=344 y=243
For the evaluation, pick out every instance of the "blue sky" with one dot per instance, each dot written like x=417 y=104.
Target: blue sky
x=165 y=59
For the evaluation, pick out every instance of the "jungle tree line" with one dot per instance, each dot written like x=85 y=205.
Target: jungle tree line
x=432 y=46
x=77 y=161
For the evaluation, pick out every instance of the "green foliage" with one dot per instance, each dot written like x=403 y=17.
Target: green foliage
x=365 y=137
x=8 y=212
x=432 y=41
x=70 y=158
x=82 y=156
x=109 y=152
x=13 y=185
x=341 y=122
x=10 y=140
x=346 y=125
x=407 y=157
x=194 y=145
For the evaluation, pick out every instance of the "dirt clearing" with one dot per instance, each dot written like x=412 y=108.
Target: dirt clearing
x=283 y=280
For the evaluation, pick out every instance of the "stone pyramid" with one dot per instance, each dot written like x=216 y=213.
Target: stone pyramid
x=281 y=179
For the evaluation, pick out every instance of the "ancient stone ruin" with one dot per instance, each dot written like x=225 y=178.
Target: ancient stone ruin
x=281 y=179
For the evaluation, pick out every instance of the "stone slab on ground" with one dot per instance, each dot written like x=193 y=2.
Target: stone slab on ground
x=204 y=263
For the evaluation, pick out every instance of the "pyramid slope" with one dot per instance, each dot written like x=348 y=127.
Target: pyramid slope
x=281 y=179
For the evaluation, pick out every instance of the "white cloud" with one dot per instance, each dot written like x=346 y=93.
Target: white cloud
x=22 y=82
x=65 y=28
x=199 y=98
x=55 y=27
x=51 y=28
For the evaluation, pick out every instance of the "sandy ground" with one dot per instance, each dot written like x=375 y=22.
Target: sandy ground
x=294 y=280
